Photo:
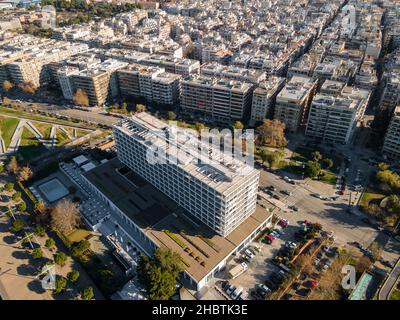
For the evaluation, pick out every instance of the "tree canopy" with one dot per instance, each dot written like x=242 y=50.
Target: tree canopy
x=272 y=133
x=159 y=273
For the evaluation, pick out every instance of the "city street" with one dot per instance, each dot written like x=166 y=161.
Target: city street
x=331 y=214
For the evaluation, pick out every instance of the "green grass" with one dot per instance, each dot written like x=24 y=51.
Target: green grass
x=30 y=147
x=370 y=195
x=78 y=235
x=81 y=133
x=62 y=138
x=329 y=178
x=7 y=128
x=395 y=295
x=44 y=128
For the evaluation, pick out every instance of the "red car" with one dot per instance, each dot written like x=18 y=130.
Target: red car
x=312 y=284
x=283 y=223
x=269 y=239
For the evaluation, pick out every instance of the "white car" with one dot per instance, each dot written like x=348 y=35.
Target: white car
x=236 y=294
x=249 y=253
x=275 y=234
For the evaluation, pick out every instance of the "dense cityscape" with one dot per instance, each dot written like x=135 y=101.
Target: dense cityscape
x=199 y=150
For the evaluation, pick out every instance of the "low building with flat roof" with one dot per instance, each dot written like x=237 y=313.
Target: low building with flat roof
x=151 y=219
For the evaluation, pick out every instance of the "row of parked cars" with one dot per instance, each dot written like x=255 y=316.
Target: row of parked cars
x=232 y=291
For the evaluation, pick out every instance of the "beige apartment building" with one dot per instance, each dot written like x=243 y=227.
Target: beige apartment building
x=293 y=101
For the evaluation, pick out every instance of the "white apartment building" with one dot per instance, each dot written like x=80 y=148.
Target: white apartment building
x=264 y=97
x=221 y=99
x=332 y=119
x=214 y=69
x=292 y=102
x=221 y=192
x=391 y=145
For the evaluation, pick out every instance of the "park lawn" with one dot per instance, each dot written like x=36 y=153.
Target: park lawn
x=44 y=128
x=81 y=132
x=395 y=295
x=370 y=195
x=7 y=128
x=329 y=177
x=78 y=235
x=30 y=147
x=62 y=138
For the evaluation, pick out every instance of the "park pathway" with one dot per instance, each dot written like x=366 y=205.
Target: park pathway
x=16 y=137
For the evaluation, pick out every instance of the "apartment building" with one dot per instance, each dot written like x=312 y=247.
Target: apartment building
x=391 y=145
x=332 y=119
x=264 y=97
x=152 y=83
x=99 y=81
x=221 y=192
x=219 y=98
x=293 y=101
x=391 y=93
x=214 y=69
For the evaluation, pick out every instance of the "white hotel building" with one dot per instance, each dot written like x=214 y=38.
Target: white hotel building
x=221 y=193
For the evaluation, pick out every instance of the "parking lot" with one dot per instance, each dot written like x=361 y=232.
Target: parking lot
x=261 y=266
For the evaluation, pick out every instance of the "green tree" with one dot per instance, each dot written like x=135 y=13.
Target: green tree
x=238 y=125
x=60 y=258
x=1 y=168
x=73 y=276
x=171 y=116
x=327 y=163
x=316 y=156
x=393 y=205
x=17 y=225
x=37 y=253
x=87 y=294
x=9 y=186
x=13 y=166
x=382 y=166
x=80 y=248
x=264 y=156
x=40 y=230
x=7 y=85
x=273 y=158
x=61 y=283
x=22 y=206
x=159 y=273
x=50 y=243
x=312 y=169
x=389 y=178
x=16 y=196
x=140 y=108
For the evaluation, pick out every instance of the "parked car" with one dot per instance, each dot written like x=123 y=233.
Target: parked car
x=270 y=284
x=230 y=288
x=286 y=192
x=262 y=288
x=237 y=293
x=275 y=196
x=291 y=244
x=269 y=238
x=283 y=223
x=272 y=188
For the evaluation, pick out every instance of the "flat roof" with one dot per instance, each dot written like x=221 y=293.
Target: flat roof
x=167 y=224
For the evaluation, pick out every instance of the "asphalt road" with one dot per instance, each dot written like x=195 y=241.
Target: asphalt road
x=90 y=116
x=390 y=282
x=331 y=214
